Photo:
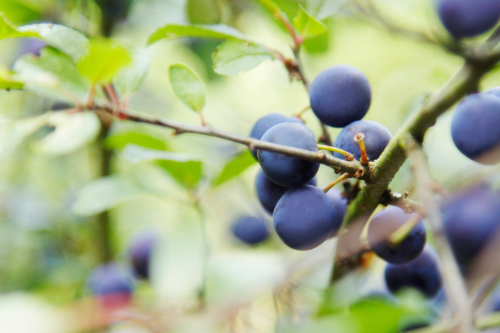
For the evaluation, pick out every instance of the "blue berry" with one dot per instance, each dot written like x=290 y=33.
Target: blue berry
x=493 y=91
x=304 y=217
x=140 y=251
x=250 y=230
x=340 y=95
x=384 y=224
x=285 y=170
x=421 y=273
x=111 y=284
x=265 y=123
x=377 y=136
x=468 y=18
x=270 y=193
x=470 y=219
x=475 y=129
x=340 y=203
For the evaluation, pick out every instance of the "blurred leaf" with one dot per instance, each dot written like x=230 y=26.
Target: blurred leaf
x=318 y=44
x=376 y=316
x=232 y=57
x=67 y=40
x=219 y=31
x=132 y=77
x=273 y=8
x=72 y=132
x=137 y=154
x=240 y=277
x=187 y=86
x=13 y=133
x=6 y=80
x=203 y=11
x=185 y=169
x=177 y=265
x=185 y=173
x=103 y=61
x=20 y=12
x=235 y=167
x=136 y=137
x=322 y=9
x=53 y=75
x=307 y=25
x=105 y=193
x=9 y=31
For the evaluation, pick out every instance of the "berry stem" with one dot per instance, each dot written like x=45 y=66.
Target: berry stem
x=397 y=236
x=360 y=139
x=336 y=181
x=348 y=156
x=299 y=114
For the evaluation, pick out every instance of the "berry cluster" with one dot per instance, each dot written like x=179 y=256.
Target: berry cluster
x=305 y=216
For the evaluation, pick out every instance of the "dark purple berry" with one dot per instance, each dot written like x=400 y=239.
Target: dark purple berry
x=376 y=138
x=388 y=221
x=304 y=218
x=250 y=230
x=268 y=121
x=340 y=95
x=286 y=170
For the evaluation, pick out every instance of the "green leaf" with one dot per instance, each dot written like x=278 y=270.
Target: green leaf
x=187 y=86
x=219 y=31
x=235 y=167
x=132 y=77
x=136 y=137
x=204 y=11
x=67 y=40
x=184 y=168
x=232 y=57
x=103 y=61
x=307 y=25
x=72 y=132
x=105 y=193
x=7 y=81
x=13 y=133
x=187 y=174
x=53 y=75
x=7 y=30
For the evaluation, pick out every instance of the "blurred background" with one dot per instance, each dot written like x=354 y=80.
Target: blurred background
x=52 y=203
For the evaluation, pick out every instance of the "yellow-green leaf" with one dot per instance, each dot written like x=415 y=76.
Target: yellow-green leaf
x=103 y=61
x=187 y=86
x=307 y=25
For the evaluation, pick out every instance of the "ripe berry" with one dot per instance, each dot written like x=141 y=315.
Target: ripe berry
x=475 y=129
x=388 y=221
x=468 y=18
x=421 y=273
x=470 y=220
x=493 y=91
x=340 y=204
x=250 y=230
x=377 y=136
x=340 y=95
x=304 y=218
x=285 y=170
x=270 y=193
x=140 y=251
x=268 y=121
x=111 y=285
